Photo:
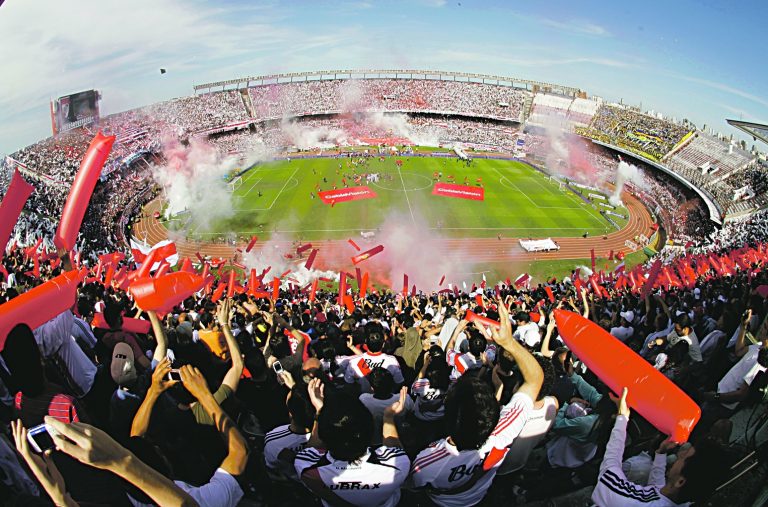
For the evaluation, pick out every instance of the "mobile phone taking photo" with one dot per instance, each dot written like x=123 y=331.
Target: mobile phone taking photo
x=277 y=367
x=40 y=438
x=174 y=375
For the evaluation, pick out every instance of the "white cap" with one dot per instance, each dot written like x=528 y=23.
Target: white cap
x=629 y=316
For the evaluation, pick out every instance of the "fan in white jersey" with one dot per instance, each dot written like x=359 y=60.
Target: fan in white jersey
x=359 y=366
x=695 y=474
x=339 y=467
x=458 y=470
x=480 y=352
x=431 y=386
x=283 y=443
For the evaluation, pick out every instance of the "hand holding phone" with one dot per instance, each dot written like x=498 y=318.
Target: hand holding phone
x=41 y=438
x=174 y=375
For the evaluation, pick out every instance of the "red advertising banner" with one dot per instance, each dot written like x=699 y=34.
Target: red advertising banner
x=459 y=191
x=346 y=194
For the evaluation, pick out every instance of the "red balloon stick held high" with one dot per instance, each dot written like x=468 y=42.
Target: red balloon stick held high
x=653 y=395
x=311 y=259
x=367 y=254
x=81 y=191
x=13 y=202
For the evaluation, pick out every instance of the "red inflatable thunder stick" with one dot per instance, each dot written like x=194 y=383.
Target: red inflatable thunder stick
x=81 y=191
x=39 y=305
x=13 y=202
x=653 y=395
x=367 y=254
x=131 y=325
x=165 y=292
x=471 y=316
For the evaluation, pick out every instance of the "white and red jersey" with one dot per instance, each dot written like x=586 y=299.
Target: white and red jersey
x=280 y=448
x=373 y=480
x=454 y=478
x=429 y=402
x=358 y=367
x=462 y=363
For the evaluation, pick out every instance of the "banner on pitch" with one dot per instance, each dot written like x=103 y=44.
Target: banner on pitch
x=346 y=194
x=459 y=191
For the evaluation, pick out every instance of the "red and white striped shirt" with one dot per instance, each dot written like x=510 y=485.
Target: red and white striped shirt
x=448 y=475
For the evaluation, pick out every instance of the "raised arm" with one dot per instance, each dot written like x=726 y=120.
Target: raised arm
x=389 y=428
x=232 y=377
x=551 y=324
x=585 y=313
x=160 y=384
x=741 y=346
x=94 y=447
x=456 y=332
x=161 y=349
x=532 y=373
x=237 y=450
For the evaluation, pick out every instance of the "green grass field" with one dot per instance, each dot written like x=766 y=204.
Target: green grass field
x=519 y=201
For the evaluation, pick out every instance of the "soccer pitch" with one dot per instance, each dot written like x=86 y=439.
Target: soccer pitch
x=521 y=202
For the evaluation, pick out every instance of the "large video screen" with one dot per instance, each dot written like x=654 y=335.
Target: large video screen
x=75 y=110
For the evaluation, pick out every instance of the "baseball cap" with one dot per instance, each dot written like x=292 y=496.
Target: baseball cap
x=629 y=316
x=122 y=368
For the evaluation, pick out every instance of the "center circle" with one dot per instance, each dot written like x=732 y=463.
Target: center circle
x=410 y=181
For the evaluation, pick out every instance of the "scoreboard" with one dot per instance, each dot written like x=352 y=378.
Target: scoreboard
x=75 y=110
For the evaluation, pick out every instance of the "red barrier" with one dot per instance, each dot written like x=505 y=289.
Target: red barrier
x=13 y=202
x=165 y=292
x=653 y=395
x=81 y=191
x=138 y=326
x=39 y=305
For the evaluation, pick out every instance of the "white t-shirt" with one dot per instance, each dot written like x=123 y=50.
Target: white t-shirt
x=536 y=427
x=358 y=367
x=447 y=330
x=429 y=404
x=528 y=334
x=623 y=333
x=446 y=474
x=744 y=371
x=221 y=491
x=374 y=480
x=462 y=363
x=55 y=340
x=377 y=407
x=280 y=448
x=694 y=350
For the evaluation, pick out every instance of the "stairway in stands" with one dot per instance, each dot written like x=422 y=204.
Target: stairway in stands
x=247 y=102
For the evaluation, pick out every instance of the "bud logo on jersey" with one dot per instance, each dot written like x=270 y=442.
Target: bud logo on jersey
x=355 y=485
x=461 y=471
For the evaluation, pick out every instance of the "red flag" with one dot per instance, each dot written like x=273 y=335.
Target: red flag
x=550 y=295
x=303 y=248
x=653 y=274
x=522 y=280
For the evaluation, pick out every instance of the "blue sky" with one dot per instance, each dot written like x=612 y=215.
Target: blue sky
x=702 y=60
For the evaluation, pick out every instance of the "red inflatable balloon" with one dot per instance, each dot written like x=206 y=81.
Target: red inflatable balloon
x=131 y=325
x=81 y=191
x=165 y=292
x=653 y=395
x=471 y=316
x=17 y=194
x=39 y=305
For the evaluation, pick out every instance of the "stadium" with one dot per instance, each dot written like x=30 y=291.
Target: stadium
x=383 y=287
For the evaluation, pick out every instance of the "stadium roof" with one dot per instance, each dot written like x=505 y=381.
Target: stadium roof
x=756 y=130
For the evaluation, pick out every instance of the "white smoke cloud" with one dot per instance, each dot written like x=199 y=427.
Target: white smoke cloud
x=626 y=173
x=307 y=137
x=194 y=178
x=398 y=124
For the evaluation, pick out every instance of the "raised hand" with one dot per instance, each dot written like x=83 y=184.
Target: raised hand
x=87 y=444
x=160 y=381
x=194 y=381
x=43 y=467
x=397 y=407
x=316 y=390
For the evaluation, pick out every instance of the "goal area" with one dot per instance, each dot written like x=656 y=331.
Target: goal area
x=235 y=183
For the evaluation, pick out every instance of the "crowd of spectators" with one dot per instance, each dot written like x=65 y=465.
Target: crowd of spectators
x=388 y=401
x=640 y=133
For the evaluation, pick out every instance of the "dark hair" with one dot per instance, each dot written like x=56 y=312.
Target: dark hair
x=22 y=356
x=471 y=412
x=300 y=406
x=762 y=357
x=206 y=319
x=438 y=373
x=683 y=320
x=382 y=382
x=477 y=345
x=549 y=375
x=345 y=426
x=523 y=316
x=703 y=471
x=375 y=341
x=113 y=315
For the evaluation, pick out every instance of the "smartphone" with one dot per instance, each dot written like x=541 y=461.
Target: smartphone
x=40 y=438
x=277 y=367
x=174 y=375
